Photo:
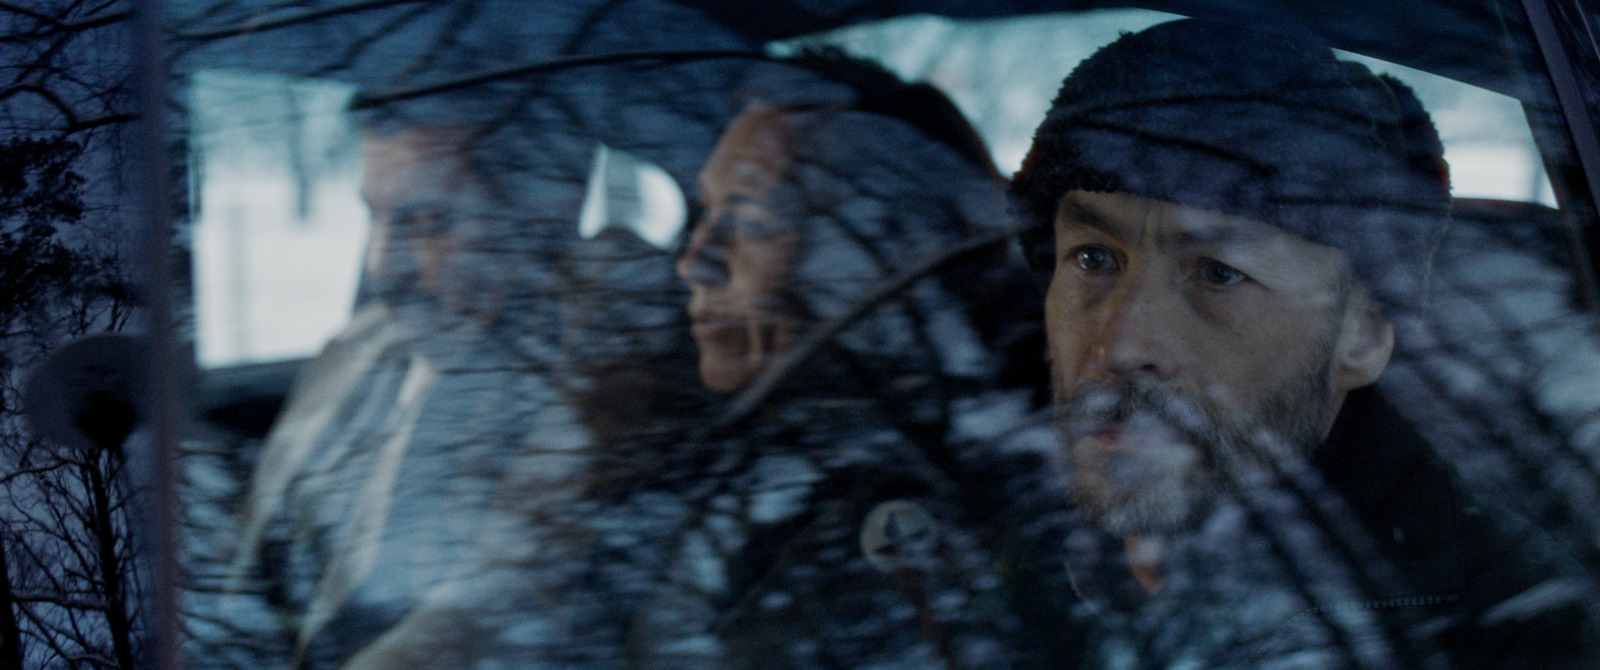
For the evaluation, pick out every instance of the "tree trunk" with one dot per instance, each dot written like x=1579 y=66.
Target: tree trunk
x=110 y=572
x=10 y=635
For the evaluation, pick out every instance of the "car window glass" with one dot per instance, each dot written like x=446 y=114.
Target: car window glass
x=677 y=333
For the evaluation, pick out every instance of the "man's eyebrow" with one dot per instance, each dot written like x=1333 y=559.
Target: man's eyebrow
x=1077 y=213
x=1216 y=235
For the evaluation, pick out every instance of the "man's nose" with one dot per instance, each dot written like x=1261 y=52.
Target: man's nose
x=1143 y=333
x=705 y=262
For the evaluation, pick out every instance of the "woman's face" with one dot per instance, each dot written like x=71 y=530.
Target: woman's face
x=740 y=253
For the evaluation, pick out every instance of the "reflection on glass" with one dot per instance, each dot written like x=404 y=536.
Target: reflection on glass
x=801 y=417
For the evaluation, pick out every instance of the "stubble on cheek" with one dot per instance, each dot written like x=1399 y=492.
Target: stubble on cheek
x=1143 y=460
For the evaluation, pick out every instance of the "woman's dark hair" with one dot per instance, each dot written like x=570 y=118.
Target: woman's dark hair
x=879 y=91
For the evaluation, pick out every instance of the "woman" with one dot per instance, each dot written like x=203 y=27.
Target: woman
x=850 y=289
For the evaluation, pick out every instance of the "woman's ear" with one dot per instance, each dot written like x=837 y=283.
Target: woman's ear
x=1366 y=341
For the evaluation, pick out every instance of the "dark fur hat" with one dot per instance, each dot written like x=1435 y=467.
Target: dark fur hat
x=1228 y=118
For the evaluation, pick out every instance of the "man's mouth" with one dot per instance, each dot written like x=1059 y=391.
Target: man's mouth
x=1136 y=433
x=709 y=325
x=1102 y=429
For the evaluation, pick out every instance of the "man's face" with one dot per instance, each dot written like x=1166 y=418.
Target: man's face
x=423 y=204
x=739 y=255
x=1189 y=348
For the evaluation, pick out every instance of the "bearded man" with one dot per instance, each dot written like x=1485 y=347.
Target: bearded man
x=1227 y=221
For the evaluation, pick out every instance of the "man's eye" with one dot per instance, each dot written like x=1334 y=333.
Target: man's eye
x=760 y=228
x=1095 y=258
x=420 y=220
x=1217 y=273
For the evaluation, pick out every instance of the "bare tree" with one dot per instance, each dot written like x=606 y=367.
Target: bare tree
x=71 y=587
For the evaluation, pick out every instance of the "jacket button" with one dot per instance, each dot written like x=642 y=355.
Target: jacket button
x=897 y=535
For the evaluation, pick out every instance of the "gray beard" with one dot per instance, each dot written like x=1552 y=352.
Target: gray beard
x=1164 y=486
